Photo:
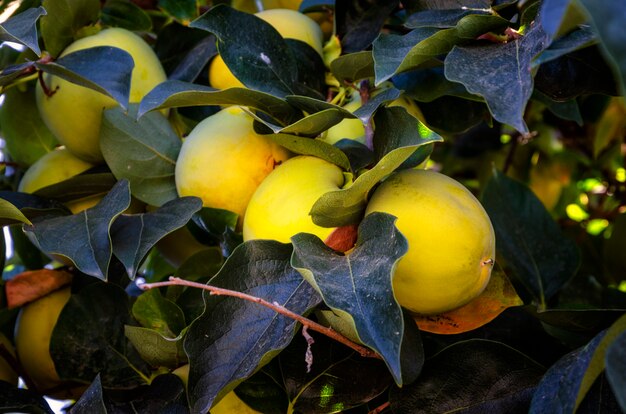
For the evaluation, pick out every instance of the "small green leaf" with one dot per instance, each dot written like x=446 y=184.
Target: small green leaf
x=182 y=10
x=11 y=73
x=398 y=136
x=156 y=349
x=134 y=235
x=104 y=69
x=315 y=124
x=26 y=137
x=258 y=56
x=308 y=146
x=64 y=19
x=353 y=66
x=357 y=287
x=23 y=29
x=143 y=151
x=170 y=94
x=9 y=214
x=88 y=338
x=233 y=338
x=510 y=84
x=125 y=14
x=529 y=240
x=155 y=312
x=84 y=237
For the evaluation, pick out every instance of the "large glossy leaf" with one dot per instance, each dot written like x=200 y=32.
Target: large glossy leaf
x=395 y=54
x=134 y=235
x=23 y=29
x=398 y=135
x=559 y=389
x=64 y=19
x=358 y=23
x=143 y=151
x=608 y=23
x=529 y=240
x=357 y=286
x=502 y=380
x=26 y=136
x=338 y=377
x=83 y=238
x=616 y=368
x=234 y=337
x=104 y=69
x=353 y=66
x=257 y=56
x=88 y=338
x=170 y=94
x=510 y=84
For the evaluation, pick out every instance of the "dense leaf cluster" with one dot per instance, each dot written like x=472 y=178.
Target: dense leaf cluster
x=522 y=101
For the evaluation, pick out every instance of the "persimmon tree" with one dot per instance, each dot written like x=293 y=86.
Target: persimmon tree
x=520 y=101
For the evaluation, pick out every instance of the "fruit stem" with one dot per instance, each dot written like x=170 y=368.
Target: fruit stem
x=309 y=324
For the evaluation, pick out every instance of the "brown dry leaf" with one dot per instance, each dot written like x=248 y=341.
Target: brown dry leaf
x=497 y=296
x=34 y=284
x=343 y=238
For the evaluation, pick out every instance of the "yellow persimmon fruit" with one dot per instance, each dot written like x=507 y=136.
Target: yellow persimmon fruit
x=350 y=128
x=290 y=24
x=223 y=161
x=280 y=207
x=450 y=236
x=54 y=167
x=33 y=332
x=74 y=113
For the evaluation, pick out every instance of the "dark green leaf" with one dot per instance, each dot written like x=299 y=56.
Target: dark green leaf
x=502 y=380
x=353 y=67
x=201 y=265
x=92 y=400
x=608 y=23
x=310 y=68
x=510 y=83
x=395 y=54
x=134 y=235
x=88 y=338
x=358 y=23
x=308 y=146
x=616 y=368
x=64 y=19
x=155 y=348
x=33 y=206
x=215 y=222
x=441 y=18
x=19 y=400
x=182 y=10
x=558 y=390
x=9 y=214
x=11 y=73
x=234 y=337
x=29 y=255
x=26 y=136
x=467 y=114
x=79 y=186
x=104 y=69
x=569 y=110
x=257 y=56
x=357 y=286
x=184 y=52
x=398 y=136
x=264 y=391
x=428 y=84
x=558 y=17
x=529 y=240
x=339 y=378
x=84 y=237
x=367 y=110
x=578 y=39
x=23 y=29
x=143 y=151
x=125 y=14
x=170 y=94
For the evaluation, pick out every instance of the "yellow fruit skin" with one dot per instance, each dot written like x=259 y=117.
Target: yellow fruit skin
x=451 y=240
x=74 y=113
x=6 y=372
x=290 y=24
x=223 y=161
x=54 y=167
x=280 y=206
x=33 y=331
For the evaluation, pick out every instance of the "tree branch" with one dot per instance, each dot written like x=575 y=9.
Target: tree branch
x=309 y=324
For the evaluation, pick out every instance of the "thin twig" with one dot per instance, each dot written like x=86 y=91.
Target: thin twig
x=331 y=333
x=380 y=408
